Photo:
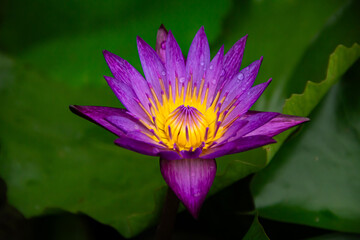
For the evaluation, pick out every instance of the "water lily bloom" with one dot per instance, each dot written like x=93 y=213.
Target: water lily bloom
x=187 y=111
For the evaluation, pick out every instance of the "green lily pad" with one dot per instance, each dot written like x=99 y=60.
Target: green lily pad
x=66 y=41
x=314 y=180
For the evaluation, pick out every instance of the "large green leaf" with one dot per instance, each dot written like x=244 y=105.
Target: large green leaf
x=315 y=180
x=270 y=192
x=66 y=40
x=51 y=159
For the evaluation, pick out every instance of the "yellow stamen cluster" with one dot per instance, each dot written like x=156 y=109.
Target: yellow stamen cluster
x=183 y=121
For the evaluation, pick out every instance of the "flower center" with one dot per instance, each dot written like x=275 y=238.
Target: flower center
x=187 y=127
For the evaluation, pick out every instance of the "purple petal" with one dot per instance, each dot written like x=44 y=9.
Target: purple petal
x=99 y=115
x=232 y=60
x=190 y=179
x=170 y=155
x=276 y=125
x=232 y=131
x=191 y=154
x=153 y=68
x=198 y=58
x=124 y=72
x=161 y=43
x=139 y=144
x=240 y=83
x=213 y=75
x=127 y=125
x=175 y=63
x=127 y=97
x=246 y=100
x=255 y=121
x=239 y=145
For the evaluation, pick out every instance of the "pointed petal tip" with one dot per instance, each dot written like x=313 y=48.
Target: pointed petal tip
x=106 y=54
x=108 y=79
x=190 y=179
x=140 y=41
x=222 y=49
x=162 y=27
x=201 y=31
x=73 y=108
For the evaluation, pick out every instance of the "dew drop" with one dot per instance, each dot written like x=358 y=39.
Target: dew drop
x=197 y=194
x=163 y=45
x=163 y=73
x=213 y=81
x=240 y=76
x=211 y=67
x=182 y=79
x=202 y=63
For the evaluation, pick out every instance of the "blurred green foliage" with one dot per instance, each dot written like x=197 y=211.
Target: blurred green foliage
x=51 y=58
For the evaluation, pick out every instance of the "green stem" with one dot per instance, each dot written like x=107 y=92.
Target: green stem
x=168 y=216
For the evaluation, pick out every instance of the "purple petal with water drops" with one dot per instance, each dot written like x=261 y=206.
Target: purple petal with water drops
x=153 y=67
x=161 y=43
x=246 y=100
x=232 y=60
x=198 y=58
x=212 y=76
x=190 y=179
x=276 y=125
x=124 y=72
x=240 y=83
x=175 y=63
x=127 y=97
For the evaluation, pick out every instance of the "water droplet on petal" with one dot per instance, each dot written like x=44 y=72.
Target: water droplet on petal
x=213 y=81
x=163 y=73
x=197 y=194
x=240 y=76
x=211 y=67
x=202 y=63
x=163 y=45
x=182 y=79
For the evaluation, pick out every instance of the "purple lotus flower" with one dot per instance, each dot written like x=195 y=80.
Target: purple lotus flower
x=187 y=111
